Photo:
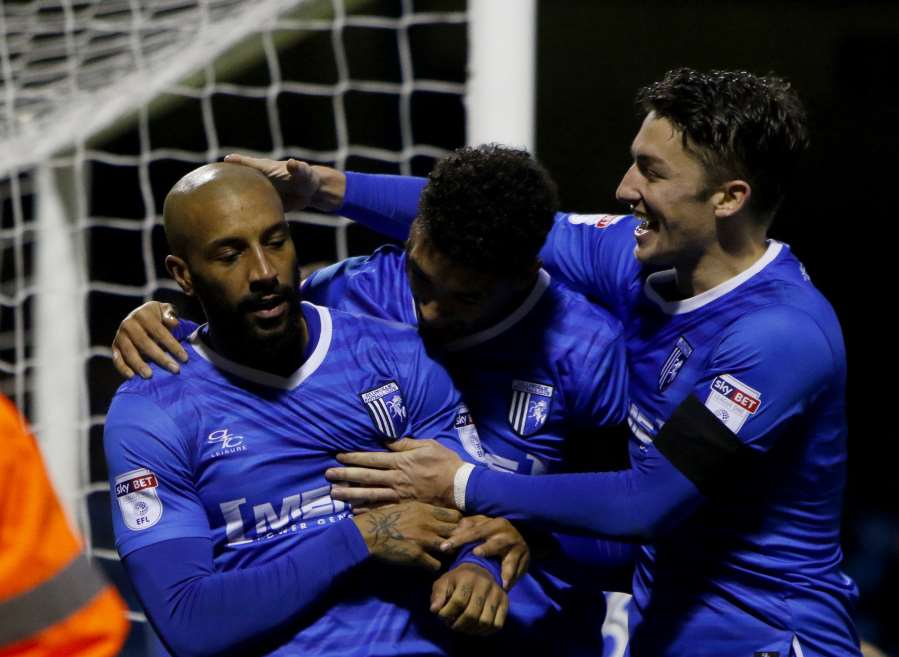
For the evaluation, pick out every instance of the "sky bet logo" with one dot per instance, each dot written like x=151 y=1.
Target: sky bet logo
x=137 y=493
x=739 y=393
x=136 y=484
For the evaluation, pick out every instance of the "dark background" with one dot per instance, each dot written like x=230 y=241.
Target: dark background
x=838 y=218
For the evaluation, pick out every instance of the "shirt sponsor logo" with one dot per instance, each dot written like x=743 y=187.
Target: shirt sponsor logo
x=386 y=409
x=138 y=498
x=468 y=434
x=732 y=401
x=674 y=363
x=227 y=442
x=595 y=220
x=530 y=406
x=299 y=512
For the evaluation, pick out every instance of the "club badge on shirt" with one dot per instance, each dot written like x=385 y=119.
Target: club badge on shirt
x=386 y=408
x=138 y=497
x=732 y=401
x=675 y=361
x=530 y=406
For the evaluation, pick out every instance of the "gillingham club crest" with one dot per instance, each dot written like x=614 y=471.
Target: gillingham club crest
x=386 y=408
x=674 y=363
x=530 y=406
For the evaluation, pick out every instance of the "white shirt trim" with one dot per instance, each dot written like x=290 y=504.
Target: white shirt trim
x=693 y=303
x=265 y=378
x=543 y=279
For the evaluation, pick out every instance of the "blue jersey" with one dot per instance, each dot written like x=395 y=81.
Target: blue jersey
x=756 y=570
x=238 y=456
x=551 y=370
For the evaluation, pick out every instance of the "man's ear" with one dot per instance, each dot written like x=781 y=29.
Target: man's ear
x=178 y=270
x=731 y=197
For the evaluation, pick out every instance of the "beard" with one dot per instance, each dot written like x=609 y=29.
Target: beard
x=238 y=333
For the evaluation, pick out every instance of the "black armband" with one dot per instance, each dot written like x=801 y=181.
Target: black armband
x=700 y=446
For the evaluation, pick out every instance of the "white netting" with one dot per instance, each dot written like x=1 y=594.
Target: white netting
x=106 y=103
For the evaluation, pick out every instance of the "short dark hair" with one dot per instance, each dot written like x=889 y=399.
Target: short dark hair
x=737 y=124
x=488 y=207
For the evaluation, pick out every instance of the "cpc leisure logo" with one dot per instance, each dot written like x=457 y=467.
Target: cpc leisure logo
x=138 y=497
x=227 y=442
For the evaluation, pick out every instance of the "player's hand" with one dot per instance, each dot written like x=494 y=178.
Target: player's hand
x=413 y=470
x=147 y=333
x=407 y=533
x=299 y=184
x=500 y=539
x=469 y=600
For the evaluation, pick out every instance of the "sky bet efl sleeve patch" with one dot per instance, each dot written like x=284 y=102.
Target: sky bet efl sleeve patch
x=732 y=401
x=138 y=497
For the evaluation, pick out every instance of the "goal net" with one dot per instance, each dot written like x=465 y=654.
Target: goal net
x=106 y=103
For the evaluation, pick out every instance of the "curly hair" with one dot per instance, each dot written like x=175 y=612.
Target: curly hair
x=737 y=124
x=489 y=208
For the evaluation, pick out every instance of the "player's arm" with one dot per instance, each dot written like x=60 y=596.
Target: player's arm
x=470 y=597
x=150 y=331
x=167 y=548
x=386 y=204
x=764 y=373
x=594 y=254
x=599 y=395
x=606 y=564
x=692 y=457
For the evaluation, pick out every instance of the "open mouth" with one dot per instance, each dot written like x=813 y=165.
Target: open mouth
x=646 y=225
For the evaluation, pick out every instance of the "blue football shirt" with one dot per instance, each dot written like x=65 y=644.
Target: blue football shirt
x=236 y=455
x=757 y=569
x=552 y=369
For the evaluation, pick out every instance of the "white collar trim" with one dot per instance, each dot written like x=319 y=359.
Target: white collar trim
x=693 y=303
x=265 y=378
x=504 y=325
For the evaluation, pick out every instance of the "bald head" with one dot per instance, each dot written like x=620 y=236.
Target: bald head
x=210 y=194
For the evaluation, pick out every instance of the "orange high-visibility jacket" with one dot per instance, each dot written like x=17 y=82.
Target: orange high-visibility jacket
x=52 y=601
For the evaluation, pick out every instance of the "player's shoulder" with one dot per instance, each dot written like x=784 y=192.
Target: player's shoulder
x=788 y=334
x=357 y=329
x=385 y=260
x=576 y=315
x=168 y=391
x=785 y=293
x=161 y=386
x=378 y=345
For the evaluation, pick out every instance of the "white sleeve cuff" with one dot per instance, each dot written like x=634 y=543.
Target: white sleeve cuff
x=460 y=484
